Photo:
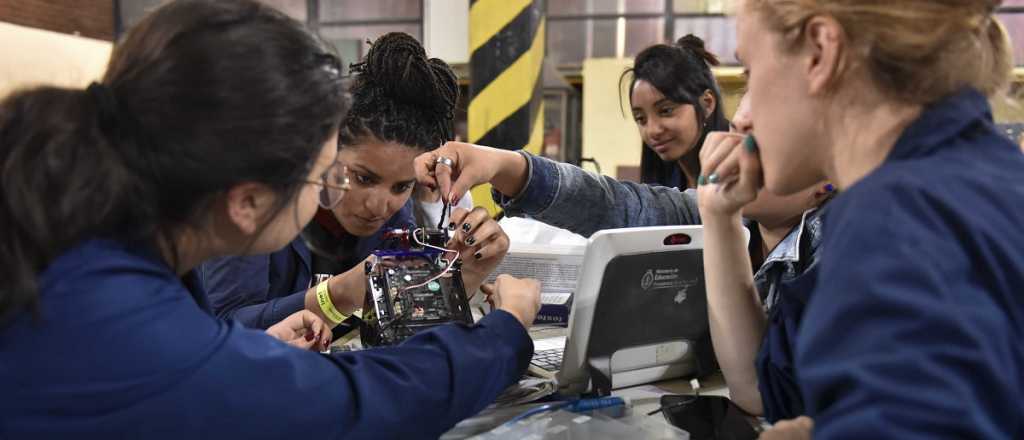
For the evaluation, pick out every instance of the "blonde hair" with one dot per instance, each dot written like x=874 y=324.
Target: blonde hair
x=917 y=51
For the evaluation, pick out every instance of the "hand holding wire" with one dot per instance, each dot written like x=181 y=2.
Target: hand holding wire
x=448 y=268
x=482 y=242
x=476 y=233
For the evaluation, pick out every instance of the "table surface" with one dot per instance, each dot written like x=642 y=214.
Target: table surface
x=642 y=398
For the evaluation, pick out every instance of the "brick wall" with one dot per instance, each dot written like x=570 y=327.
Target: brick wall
x=88 y=18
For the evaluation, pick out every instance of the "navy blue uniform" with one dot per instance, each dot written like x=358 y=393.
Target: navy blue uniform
x=915 y=328
x=122 y=349
x=261 y=290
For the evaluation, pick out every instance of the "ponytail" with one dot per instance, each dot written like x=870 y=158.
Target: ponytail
x=62 y=179
x=695 y=45
x=198 y=97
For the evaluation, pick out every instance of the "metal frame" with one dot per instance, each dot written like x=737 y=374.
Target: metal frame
x=313 y=19
x=614 y=16
x=387 y=21
x=669 y=15
x=670 y=23
x=118 y=21
x=562 y=95
x=313 y=14
x=604 y=16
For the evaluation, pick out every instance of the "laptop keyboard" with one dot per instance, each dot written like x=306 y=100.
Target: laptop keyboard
x=550 y=359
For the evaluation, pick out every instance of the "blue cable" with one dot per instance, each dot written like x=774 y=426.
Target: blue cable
x=578 y=405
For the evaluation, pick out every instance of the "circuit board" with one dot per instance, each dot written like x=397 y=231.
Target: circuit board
x=422 y=303
x=410 y=290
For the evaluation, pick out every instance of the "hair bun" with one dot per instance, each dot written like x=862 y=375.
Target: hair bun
x=694 y=44
x=398 y=68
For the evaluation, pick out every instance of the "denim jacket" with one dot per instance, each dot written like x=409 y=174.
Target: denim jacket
x=784 y=283
x=784 y=262
x=583 y=202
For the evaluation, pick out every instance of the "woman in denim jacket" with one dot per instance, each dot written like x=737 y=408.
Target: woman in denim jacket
x=752 y=332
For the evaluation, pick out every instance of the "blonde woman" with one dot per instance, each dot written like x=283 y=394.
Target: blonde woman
x=913 y=329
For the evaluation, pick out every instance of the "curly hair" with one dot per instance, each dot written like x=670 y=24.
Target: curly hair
x=400 y=95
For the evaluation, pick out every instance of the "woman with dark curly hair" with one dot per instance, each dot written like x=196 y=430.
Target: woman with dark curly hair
x=403 y=105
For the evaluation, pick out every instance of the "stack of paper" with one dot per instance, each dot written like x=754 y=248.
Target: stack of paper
x=557 y=267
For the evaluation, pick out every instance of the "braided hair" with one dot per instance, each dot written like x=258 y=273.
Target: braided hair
x=400 y=95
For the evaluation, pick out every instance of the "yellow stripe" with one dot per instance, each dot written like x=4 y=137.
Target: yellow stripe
x=482 y=198
x=482 y=193
x=487 y=17
x=511 y=90
x=536 y=144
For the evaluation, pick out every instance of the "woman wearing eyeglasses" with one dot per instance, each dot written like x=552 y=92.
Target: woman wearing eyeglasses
x=208 y=136
x=403 y=105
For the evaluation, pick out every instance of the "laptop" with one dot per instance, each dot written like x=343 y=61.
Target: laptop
x=639 y=313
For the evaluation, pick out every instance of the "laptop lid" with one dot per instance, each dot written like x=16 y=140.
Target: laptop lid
x=639 y=314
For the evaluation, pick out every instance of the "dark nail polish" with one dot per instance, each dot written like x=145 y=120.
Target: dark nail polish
x=466 y=227
x=309 y=336
x=470 y=241
x=701 y=180
x=478 y=255
x=713 y=178
x=451 y=226
x=750 y=144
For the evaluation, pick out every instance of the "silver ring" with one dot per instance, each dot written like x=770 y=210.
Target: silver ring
x=444 y=161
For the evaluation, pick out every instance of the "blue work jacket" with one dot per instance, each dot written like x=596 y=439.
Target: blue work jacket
x=121 y=348
x=261 y=290
x=915 y=328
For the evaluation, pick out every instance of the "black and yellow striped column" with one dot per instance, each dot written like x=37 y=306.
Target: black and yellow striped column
x=506 y=44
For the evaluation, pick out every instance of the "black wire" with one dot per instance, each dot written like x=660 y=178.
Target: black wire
x=693 y=398
x=445 y=213
x=674 y=405
x=593 y=161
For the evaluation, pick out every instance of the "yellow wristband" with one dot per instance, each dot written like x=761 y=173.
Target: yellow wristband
x=323 y=297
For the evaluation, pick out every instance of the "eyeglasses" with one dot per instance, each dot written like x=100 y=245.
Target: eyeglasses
x=333 y=184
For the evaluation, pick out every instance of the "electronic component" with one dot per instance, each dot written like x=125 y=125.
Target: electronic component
x=412 y=283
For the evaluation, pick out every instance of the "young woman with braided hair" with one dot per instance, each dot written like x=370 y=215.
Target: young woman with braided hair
x=403 y=104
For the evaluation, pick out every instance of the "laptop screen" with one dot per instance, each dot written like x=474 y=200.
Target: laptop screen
x=649 y=299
